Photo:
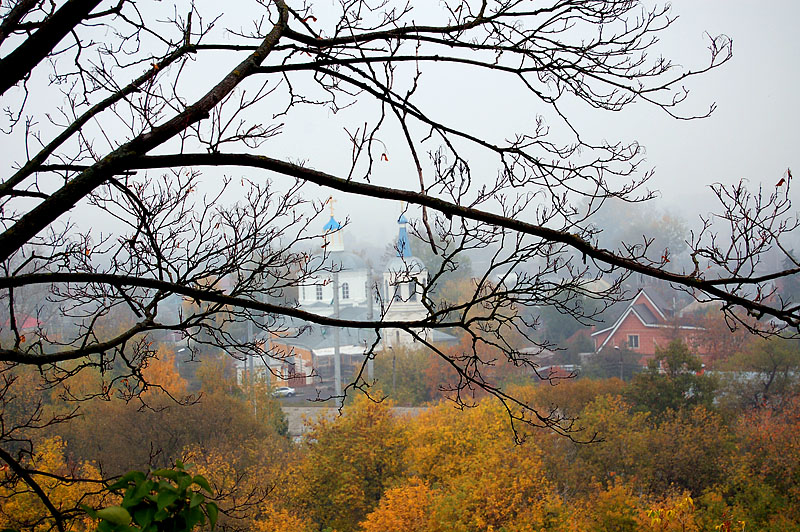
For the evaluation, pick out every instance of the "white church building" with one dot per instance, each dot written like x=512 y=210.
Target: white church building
x=306 y=355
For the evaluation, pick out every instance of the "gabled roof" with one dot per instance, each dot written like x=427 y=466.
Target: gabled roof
x=642 y=312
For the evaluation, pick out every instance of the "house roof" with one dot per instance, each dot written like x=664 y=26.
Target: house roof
x=643 y=313
x=638 y=308
x=316 y=337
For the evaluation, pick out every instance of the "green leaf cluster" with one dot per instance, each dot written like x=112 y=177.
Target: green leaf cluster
x=165 y=500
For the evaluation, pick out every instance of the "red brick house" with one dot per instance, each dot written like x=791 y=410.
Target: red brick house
x=643 y=327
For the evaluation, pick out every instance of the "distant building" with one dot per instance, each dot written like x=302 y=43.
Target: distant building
x=353 y=276
x=303 y=355
x=403 y=279
x=643 y=327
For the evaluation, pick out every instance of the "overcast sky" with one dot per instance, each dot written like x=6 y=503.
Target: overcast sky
x=753 y=134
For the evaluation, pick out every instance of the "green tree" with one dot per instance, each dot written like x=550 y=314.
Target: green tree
x=400 y=373
x=674 y=379
x=621 y=363
x=765 y=373
x=165 y=500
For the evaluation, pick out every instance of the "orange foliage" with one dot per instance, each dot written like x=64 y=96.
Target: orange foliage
x=160 y=371
x=770 y=441
x=403 y=509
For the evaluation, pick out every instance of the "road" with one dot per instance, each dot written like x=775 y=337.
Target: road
x=300 y=417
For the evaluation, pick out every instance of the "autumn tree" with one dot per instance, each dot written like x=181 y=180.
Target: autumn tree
x=33 y=497
x=154 y=430
x=762 y=483
x=475 y=474
x=401 y=374
x=717 y=339
x=764 y=374
x=118 y=115
x=407 y=507
x=348 y=464
x=674 y=380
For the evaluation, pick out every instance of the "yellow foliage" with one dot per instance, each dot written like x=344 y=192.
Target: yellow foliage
x=244 y=480
x=675 y=514
x=20 y=507
x=611 y=509
x=349 y=463
x=215 y=466
x=403 y=509
x=280 y=520
x=442 y=440
x=481 y=479
x=624 y=443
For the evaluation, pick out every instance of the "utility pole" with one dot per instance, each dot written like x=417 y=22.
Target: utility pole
x=337 y=360
x=370 y=302
x=251 y=364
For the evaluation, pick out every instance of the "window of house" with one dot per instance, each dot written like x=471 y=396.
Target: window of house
x=633 y=341
x=319 y=292
x=345 y=291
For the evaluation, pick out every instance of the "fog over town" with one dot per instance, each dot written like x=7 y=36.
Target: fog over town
x=375 y=265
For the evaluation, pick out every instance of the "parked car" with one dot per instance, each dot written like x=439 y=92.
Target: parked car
x=283 y=391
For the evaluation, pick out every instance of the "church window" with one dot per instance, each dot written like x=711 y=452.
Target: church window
x=319 y=292
x=412 y=291
x=345 y=291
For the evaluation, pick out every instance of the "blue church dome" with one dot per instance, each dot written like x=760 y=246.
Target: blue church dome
x=332 y=225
